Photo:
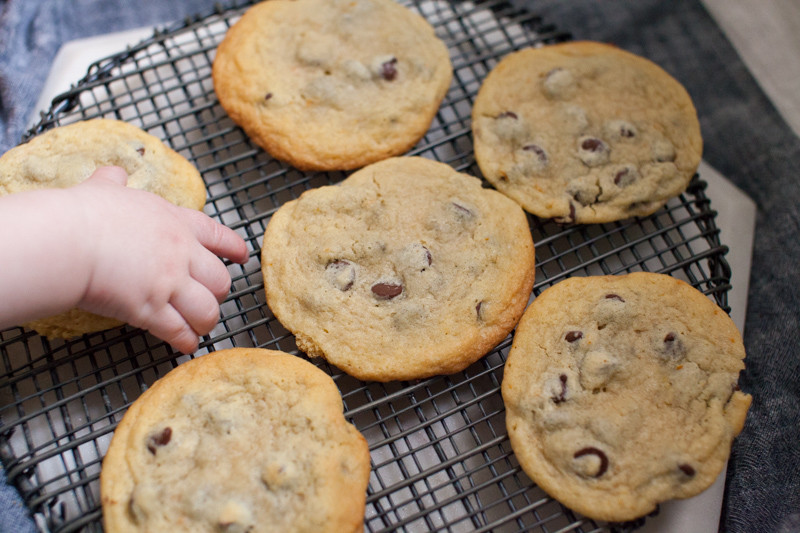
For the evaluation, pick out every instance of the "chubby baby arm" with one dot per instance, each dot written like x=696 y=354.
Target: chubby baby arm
x=117 y=252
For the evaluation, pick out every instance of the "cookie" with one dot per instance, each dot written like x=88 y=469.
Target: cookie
x=332 y=84
x=239 y=440
x=406 y=270
x=67 y=155
x=585 y=132
x=621 y=392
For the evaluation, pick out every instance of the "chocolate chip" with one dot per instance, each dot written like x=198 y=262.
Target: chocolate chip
x=585 y=197
x=267 y=96
x=478 y=309
x=625 y=176
x=573 y=336
x=141 y=151
x=673 y=346
x=389 y=69
x=428 y=256
x=591 y=450
x=538 y=150
x=687 y=469
x=625 y=131
x=592 y=151
x=341 y=274
x=568 y=219
x=507 y=114
x=615 y=297
x=159 y=439
x=387 y=291
x=593 y=144
x=463 y=211
x=562 y=397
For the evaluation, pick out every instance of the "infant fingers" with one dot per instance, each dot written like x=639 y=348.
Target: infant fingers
x=197 y=306
x=168 y=325
x=111 y=173
x=219 y=239
x=207 y=269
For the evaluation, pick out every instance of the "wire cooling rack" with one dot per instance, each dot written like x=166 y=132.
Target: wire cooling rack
x=441 y=460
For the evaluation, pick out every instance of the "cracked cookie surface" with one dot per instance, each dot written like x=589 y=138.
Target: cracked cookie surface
x=585 y=132
x=239 y=440
x=66 y=156
x=407 y=269
x=332 y=84
x=621 y=392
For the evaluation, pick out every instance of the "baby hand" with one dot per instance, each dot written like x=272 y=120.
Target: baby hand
x=151 y=263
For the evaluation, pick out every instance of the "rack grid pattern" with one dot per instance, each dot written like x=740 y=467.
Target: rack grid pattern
x=441 y=460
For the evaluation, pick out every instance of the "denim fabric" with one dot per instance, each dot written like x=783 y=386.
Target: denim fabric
x=744 y=137
x=32 y=31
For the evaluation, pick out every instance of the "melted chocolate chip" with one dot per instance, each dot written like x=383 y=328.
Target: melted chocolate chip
x=159 y=439
x=507 y=114
x=591 y=450
x=625 y=131
x=615 y=297
x=585 y=198
x=428 y=256
x=569 y=219
x=389 y=69
x=342 y=274
x=387 y=291
x=620 y=175
x=593 y=145
x=538 y=150
x=478 y=309
x=141 y=151
x=673 y=346
x=573 y=336
x=267 y=96
x=461 y=210
x=562 y=397
x=687 y=469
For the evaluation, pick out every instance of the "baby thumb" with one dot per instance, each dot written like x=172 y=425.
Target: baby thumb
x=115 y=174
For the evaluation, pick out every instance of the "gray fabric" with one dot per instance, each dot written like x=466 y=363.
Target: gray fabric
x=744 y=138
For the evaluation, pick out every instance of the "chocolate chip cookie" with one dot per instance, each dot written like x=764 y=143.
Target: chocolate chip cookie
x=406 y=270
x=67 y=155
x=239 y=440
x=332 y=84
x=585 y=132
x=621 y=392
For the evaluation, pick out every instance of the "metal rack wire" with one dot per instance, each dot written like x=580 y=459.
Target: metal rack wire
x=440 y=455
